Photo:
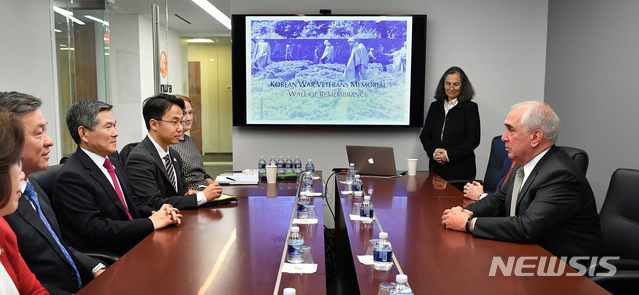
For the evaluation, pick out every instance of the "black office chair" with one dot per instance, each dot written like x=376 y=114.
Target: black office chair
x=124 y=152
x=620 y=230
x=579 y=156
x=46 y=180
x=498 y=155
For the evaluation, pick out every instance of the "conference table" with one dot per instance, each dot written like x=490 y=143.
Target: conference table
x=228 y=249
x=239 y=248
x=436 y=260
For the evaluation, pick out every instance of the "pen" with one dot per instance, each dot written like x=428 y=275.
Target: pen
x=230 y=178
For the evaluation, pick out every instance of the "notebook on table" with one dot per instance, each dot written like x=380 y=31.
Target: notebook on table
x=373 y=160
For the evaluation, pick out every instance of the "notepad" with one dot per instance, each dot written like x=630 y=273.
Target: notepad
x=222 y=200
x=245 y=177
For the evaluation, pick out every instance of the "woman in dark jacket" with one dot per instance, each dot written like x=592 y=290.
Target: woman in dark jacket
x=451 y=131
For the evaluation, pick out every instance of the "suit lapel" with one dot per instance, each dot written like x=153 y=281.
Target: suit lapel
x=99 y=176
x=533 y=174
x=29 y=214
x=156 y=158
x=128 y=195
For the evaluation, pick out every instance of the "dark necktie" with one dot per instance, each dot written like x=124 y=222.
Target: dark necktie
x=170 y=171
x=109 y=167
x=33 y=197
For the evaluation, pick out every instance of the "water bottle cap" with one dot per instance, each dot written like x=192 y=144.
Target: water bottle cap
x=309 y=160
x=383 y=235
x=401 y=279
x=367 y=198
x=352 y=164
x=289 y=291
x=261 y=157
x=295 y=229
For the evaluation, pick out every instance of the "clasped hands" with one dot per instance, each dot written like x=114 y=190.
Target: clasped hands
x=440 y=156
x=455 y=218
x=167 y=215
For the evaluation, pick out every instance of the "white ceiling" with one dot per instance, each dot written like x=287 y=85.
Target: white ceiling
x=202 y=24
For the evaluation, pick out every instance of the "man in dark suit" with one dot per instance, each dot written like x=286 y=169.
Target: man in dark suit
x=92 y=195
x=553 y=204
x=60 y=268
x=154 y=168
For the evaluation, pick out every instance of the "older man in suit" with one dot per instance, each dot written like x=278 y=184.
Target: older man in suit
x=92 y=194
x=547 y=200
x=60 y=268
x=155 y=169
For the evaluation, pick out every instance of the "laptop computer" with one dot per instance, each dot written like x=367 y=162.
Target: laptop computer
x=372 y=160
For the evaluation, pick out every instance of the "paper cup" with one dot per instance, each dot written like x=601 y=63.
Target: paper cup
x=271 y=173
x=412 y=166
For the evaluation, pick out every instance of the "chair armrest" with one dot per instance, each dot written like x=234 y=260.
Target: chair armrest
x=622 y=282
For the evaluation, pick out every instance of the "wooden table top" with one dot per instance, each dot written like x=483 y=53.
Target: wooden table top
x=437 y=260
x=230 y=249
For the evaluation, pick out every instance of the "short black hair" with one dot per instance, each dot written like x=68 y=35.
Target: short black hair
x=467 y=91
x=156 y=106
x=84 y=113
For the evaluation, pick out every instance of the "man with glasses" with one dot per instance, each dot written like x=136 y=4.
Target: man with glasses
x=60 y=268
x=154 y=168
x=92 y=195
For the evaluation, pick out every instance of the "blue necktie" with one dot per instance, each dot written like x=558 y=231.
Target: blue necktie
x=33 y=197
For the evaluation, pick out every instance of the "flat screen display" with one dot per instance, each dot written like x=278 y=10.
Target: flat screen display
x=328 y=70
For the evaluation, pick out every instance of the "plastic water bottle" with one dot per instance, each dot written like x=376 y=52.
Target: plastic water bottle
x=289 y=291
x=351 y=172
x=295 y=253
x=357 y=187
x=308 y=183
x=402 y=286
x=280 y=166
x=366 y=210
x=303 y=211
x=289 y=165
x=309 y=166
x=272 y=161
x=261 y=165
x=297 y=165
x=383 y=253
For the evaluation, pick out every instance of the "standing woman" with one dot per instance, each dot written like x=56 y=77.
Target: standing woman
x=15 y=276
x=451 y=131
x=192 y=161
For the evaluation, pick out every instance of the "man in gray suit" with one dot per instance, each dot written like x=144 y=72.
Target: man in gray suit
x=554 y=207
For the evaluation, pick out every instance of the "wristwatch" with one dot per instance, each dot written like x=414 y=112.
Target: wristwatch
x=102 y=266
x=470 y=218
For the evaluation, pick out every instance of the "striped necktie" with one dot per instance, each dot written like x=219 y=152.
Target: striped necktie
x=168 y=164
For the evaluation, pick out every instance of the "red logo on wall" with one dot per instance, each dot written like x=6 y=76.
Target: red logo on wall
x=163 y=64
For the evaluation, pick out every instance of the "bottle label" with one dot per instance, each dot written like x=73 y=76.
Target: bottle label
x=295 y=250
x=298 y=165
x=365 y=212
x=382 y=256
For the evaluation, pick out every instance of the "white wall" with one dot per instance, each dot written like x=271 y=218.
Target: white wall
x=500 y=44
x=592 y=70
x=26 y=58
x=132 y=71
